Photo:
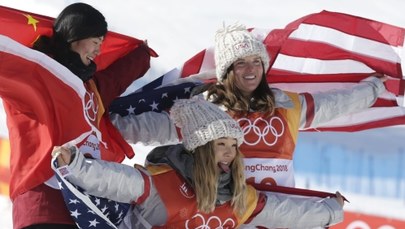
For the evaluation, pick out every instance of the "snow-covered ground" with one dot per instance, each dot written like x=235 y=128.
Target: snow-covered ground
x=178 y=29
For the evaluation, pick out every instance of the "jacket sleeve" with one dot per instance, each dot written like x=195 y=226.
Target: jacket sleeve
x=322 y=107
x=149 y=128
x=288 y=211
x=110 y=180
x=114 y=80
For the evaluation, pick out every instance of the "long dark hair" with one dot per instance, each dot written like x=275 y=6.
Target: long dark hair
x=229 y=95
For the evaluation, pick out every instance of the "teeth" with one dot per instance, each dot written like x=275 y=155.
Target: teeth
x=249 y=77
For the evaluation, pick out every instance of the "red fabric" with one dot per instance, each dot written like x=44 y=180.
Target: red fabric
x=294 y=191
x=188 y=215
x=114 y=80
x=330 y=50
x=26 y=27
x=46 y=205
x=358 y=220
x=47 y=105
x=42 y=115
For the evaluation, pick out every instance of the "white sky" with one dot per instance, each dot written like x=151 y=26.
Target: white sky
x=178 y=29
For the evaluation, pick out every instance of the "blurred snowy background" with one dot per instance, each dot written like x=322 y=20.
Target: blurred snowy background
x=366 y=166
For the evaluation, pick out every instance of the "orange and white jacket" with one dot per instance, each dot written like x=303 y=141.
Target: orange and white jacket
x=269 y=140
x=162 y=197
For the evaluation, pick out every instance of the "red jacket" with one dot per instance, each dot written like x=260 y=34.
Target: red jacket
x=46 y=105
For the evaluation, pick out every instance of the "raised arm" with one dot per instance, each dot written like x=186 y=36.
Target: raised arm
x=150 y=128
x=110 y=180
x=325 y=106
x=288 y=211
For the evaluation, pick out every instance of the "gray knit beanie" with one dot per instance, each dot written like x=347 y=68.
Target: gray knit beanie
x=201 y=122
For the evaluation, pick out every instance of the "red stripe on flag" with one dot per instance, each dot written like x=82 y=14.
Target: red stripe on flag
x=193 y=65
x=295 y=191
x=355 y=25
x=310 y=109
x=316 y=50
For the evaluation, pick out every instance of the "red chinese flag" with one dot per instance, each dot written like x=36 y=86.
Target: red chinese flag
x=26 y=27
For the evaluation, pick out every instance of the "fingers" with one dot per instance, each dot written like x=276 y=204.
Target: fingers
x=381 y=76
x=340 y=199
x=63 y=155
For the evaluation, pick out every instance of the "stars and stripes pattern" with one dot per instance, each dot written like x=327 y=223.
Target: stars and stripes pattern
x=156 y=100
x=319 y=52
x=89 y=211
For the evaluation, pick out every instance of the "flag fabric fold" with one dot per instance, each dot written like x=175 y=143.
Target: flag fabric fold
x=88 y=210
x=36 y=86
x=25 y=28
x=318 y=52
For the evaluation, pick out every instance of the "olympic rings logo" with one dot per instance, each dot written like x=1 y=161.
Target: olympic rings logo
x=269 y=128
x=359 y=224
x=91 y=107
x=208 y=223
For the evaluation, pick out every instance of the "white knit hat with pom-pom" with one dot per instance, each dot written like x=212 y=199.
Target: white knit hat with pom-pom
x=201 y=122
x=234 y=42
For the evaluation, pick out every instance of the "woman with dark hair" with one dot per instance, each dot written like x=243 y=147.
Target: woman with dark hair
x=78 y=33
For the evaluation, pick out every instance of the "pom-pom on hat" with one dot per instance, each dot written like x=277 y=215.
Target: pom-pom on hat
x=201 y=122
x=234 y=42
x=79 y=21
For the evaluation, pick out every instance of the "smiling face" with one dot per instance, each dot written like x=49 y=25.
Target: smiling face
x=248 y=73
x=87 y=48
x=225 y=150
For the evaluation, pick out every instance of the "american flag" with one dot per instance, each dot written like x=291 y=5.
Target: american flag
x=318 y=52
x=89 y=211
x=153 y=99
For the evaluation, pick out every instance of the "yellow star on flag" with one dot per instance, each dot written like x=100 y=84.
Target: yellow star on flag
x=31 y=21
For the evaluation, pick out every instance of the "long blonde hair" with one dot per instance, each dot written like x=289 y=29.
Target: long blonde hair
x=206 y=175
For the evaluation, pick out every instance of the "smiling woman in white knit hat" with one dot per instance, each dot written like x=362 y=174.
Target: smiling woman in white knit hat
x=270 y=118
x=197 y=184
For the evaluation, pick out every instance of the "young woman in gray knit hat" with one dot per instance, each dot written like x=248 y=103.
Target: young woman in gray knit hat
x=78 y=33
x=197 y=184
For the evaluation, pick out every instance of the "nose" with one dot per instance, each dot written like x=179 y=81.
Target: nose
x=250 y=66
x=228 y=151
x=97 y=51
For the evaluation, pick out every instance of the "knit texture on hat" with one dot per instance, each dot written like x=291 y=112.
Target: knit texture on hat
x=201 y=122
x=234 y=42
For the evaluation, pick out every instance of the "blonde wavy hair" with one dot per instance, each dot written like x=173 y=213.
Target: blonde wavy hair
x=206 y=175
